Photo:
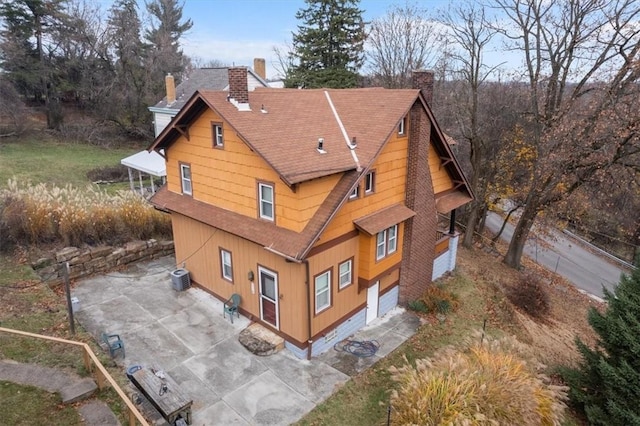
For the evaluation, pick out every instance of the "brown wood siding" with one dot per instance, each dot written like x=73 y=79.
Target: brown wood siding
x=227 y=176
x=439 y=175
x=389 y=280
x=369 y=266
x=389 y=185
x=343 y=301
x=199 y=243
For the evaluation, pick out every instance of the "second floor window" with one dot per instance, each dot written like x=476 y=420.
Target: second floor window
x=185 y=177
x=355 y=193
x=387 y=242
x=266 y=201
x=218 y=140
x=369 y=183
x=402 y=126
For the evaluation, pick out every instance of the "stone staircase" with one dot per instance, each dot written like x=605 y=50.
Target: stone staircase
x=71 y=387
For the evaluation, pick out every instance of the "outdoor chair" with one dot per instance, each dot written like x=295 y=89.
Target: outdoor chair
x=231 y=306
x=114 y=343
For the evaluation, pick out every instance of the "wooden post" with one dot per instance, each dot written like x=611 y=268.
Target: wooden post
x=100 y=379
x=67 y=289
x=87 y=360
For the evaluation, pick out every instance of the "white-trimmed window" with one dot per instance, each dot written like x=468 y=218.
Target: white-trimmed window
x=226 y=265
x=386 y=242
x=381 y=244
x=218 y=139
x=355 y=193
x=266 y=201
x=346 y=277
x=392 y=241
x=402 y=126
x=323 y=291
x=369 y=183
x=185 y=177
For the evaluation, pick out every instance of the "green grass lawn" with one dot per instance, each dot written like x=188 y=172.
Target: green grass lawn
x=28 y=405
x=42 y=159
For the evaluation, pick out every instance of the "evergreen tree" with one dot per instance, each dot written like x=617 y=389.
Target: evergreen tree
x=606 y=385
x=165 y=54
x=128 y=106
x=28 y=50
x=328 y=48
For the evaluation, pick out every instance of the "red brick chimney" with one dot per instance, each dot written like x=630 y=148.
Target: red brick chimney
x=238 y=89
x=170 y=84
x=423 y=80
x=260 y=68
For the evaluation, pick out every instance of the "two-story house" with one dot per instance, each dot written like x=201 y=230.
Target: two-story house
x=318 y=207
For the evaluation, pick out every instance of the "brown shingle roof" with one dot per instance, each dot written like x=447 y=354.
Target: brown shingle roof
x=382 y=219
x=286 y=136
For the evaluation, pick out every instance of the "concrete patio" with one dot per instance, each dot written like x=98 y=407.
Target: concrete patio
x=185 y=335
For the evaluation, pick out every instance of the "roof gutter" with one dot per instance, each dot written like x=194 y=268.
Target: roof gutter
x=274 y=251
x=344 y=132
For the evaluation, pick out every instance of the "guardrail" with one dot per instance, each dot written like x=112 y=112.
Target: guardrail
x=101 y=375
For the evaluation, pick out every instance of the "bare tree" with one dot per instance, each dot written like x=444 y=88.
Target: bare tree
x=467 y=36
x=401 y=41
x=582 y=66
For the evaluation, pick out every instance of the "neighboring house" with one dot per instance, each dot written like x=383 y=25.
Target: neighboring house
x=200 y=79
x=318 y=207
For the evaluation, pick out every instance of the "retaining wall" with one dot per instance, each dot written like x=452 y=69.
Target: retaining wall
x=93 y=260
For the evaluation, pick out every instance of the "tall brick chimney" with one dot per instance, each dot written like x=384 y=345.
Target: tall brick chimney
x=423 y=80
x=170 y=84
x=238 y=89
x=260 y=68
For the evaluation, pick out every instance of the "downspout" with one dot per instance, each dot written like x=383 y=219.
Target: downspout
x=309 y=341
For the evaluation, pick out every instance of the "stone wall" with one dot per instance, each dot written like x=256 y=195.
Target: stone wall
x=94 y=260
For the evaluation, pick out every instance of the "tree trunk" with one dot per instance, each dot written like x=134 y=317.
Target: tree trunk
x=504 y=225
x=520 y=234
x=472 y=222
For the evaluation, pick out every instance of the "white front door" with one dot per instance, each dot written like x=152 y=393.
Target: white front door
x=372 y=302
x=268 y=281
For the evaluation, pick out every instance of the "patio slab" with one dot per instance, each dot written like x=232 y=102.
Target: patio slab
x=185 y=335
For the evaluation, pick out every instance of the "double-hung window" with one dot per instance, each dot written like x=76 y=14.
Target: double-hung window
x=266 y=204
x=216 y=130
x=185 y=178
x=345 y=273
x=387 y=242
x=226 y=265
x=323 y=291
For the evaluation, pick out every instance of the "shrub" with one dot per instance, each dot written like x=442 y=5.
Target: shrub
x=484 y=384
x=437 y=300
x=530 y=296
x=418 y=306
x=42 y=213
x=606 y=384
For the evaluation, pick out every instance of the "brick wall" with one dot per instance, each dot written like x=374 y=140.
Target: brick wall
x=88 y=261
x=420 y=231
x=238 y=89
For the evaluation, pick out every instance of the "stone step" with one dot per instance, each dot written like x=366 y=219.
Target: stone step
x=260 y=341
x=78 y=390
x=97 y=413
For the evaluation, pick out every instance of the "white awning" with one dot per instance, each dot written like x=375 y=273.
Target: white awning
x=151 y=163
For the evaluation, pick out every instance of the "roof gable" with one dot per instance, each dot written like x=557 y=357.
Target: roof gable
x=284 y=126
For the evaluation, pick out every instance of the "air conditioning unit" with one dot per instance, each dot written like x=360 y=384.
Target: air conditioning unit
x=180 y=279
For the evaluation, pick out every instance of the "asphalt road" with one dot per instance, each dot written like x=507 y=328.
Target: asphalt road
x=560 y=254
